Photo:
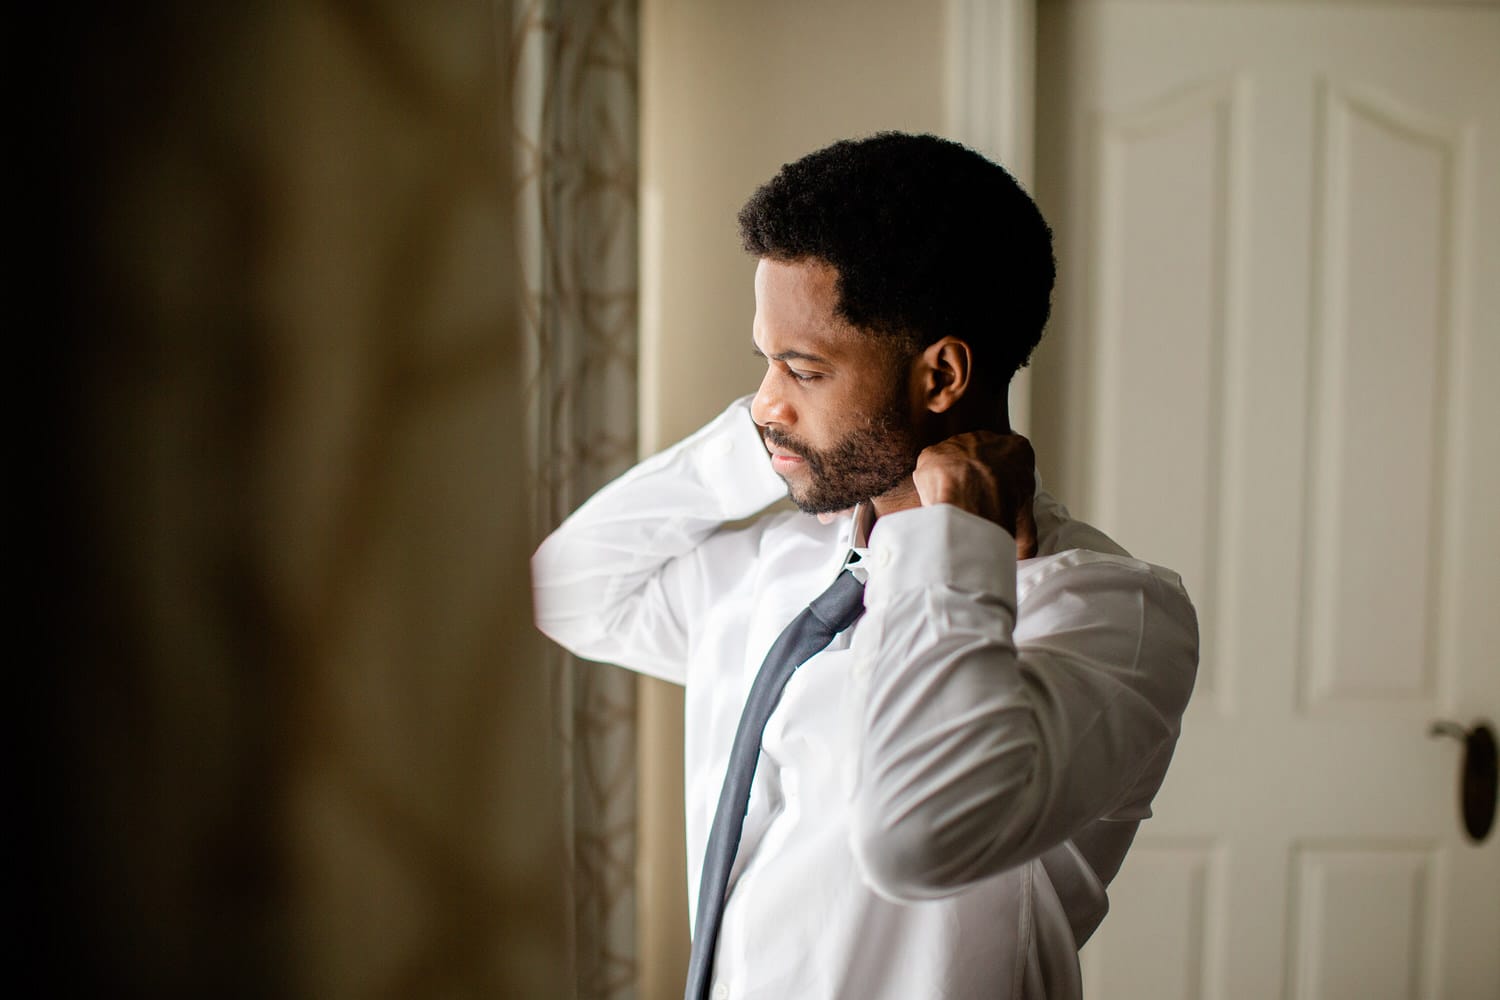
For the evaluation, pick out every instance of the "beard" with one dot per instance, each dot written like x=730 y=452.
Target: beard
x=867 y=462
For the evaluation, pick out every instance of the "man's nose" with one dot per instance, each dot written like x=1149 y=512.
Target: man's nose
x=769 y=405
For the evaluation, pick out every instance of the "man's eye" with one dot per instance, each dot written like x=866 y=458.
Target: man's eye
x=802 y=376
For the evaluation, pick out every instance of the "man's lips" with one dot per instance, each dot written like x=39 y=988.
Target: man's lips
x=782 y=463
x=781 y=458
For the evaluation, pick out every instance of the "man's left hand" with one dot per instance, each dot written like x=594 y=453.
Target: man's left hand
x=985 y=473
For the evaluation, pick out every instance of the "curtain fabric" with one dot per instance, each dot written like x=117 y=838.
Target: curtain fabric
x=574 y=86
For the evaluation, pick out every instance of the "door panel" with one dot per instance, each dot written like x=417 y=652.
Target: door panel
x=1272 y=368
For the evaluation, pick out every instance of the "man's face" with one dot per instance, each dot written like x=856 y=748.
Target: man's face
x=834 y=406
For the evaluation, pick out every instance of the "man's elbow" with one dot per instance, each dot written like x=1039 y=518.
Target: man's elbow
x=584 y=635
x=898 y=864
x=919 y=857
x=945 y=843
x=573 y=622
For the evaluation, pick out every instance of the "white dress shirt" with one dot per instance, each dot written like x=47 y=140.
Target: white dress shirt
x=945 y=791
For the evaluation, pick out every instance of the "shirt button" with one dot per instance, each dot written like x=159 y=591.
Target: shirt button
x=882 y=557
x=721 y=991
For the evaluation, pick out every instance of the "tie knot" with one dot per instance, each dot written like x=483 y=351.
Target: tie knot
x=841 y=604
x=856 y=563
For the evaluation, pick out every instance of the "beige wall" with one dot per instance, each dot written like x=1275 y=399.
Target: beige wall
x=730 y=91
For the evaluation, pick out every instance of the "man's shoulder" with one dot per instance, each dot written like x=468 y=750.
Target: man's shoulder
x=1087 y=581
x=1067 y=543
x=773 y=532
x=778 y=517
x=1058 y=531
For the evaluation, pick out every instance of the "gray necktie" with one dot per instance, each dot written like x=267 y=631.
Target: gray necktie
x=832 y=612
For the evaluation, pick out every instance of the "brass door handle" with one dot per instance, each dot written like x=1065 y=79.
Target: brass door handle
x=1477 y=779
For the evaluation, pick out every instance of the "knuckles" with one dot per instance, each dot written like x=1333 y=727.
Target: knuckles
x=988 y=473
x=979 y=450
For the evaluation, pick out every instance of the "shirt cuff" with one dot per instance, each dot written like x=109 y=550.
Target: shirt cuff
x=734 y=463
x=941 y=546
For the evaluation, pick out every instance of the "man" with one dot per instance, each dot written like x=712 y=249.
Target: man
x=944 y=789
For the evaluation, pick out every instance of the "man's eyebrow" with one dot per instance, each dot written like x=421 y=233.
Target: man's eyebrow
x=789 y=355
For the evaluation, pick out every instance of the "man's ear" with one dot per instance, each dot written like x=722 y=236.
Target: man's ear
x=947 y=373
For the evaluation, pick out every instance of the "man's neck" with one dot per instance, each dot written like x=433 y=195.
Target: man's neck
x=902 y=497
x=959 y=420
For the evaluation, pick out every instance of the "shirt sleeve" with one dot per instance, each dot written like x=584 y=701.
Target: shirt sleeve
x=621 y=579
x=980 y=745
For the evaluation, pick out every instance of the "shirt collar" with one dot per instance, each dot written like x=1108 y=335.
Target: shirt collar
x=860 y=525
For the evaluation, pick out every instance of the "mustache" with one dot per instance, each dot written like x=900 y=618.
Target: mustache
x=783 y=442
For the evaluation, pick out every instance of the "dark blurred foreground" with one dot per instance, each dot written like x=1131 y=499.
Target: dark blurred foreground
x=288 y=733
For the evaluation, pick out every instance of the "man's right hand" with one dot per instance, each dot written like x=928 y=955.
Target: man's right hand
x=985 y=473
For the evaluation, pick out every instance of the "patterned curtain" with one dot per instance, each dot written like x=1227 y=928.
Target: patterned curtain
x=574 y=66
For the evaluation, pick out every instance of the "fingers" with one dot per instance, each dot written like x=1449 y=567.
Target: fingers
x=986 y=473
x=1026 y=544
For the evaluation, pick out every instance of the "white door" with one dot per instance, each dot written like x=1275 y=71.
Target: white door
x=1276 y=367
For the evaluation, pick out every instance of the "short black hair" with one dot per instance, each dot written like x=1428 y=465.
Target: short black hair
x=929 y=239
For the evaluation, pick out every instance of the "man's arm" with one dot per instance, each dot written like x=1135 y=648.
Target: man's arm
x=980 y=746
x=620 y=579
